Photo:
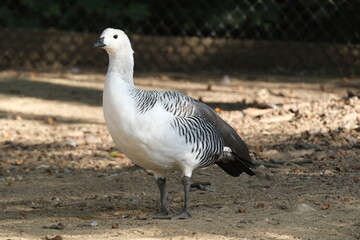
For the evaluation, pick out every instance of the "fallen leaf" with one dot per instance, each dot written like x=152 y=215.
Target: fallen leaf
x=239 y=89
x=49 y=120
x=319 y=155
x=57 y=237
x=283 y=207
x=325 y=206
x=11 y=181
x=242 y=210
x=22 y=215
x=342 y=152
x=63 y=163
x=32 y=74
x=18 y=162
x=322 y=87
x=341 y=168
x=116 y=154
x=58 y=226
x=200 y=185
x=356 y=179
x=332 y=183
x=218 y=110
x=142 y=217
x=259 y=205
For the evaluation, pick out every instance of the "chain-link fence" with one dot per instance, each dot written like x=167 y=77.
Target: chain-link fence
x=261 y=35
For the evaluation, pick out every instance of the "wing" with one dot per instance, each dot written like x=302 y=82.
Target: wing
x=206 y=144
x=240 y=161
x=236 y=161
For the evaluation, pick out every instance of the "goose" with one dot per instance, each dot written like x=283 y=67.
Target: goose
x=163 y=131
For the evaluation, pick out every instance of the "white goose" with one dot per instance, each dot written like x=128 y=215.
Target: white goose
x=164 y=130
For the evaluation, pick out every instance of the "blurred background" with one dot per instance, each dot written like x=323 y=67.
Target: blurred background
x=274 y=36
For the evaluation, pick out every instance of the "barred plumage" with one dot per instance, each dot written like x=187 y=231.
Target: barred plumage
x=206 y=143
x=162 y=130
x=174 y=102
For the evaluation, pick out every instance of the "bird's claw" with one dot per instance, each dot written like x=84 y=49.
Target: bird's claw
x=183 y=214
x=163 y=214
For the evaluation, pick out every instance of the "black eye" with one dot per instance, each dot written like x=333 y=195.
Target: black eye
x=115 y=36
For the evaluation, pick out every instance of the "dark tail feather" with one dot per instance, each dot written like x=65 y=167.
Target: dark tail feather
x=236 y=166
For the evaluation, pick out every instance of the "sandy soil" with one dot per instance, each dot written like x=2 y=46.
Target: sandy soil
x=58 y=168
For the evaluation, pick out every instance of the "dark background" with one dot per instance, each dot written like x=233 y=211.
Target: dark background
x=188 y=32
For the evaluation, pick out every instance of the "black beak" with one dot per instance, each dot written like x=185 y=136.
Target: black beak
x=99 y=43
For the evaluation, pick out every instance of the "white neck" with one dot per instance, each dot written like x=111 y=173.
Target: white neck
x=122 y=65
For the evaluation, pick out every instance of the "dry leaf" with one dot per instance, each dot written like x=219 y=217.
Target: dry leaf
x=63 y=163
x=57 y=237
x=18 y=162
x=322 y=87
x=239 y=89
x=356 y=179
x=22 y=215
x=115 y=226
x=319 y=155
x=218 y=110
x=11 y=181
x=32 y=74
x=325 y=206
x=259 y=205
x=332 y=183
x=58 y=226
x=142 y=217
x=116 y=154
x=49 y=120
x=342 y=153
x=242 y=209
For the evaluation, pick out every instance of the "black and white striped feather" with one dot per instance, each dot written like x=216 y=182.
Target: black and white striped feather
x=201 y=127
x=206 y=143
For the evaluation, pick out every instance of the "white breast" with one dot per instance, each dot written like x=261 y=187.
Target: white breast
x=146 y=138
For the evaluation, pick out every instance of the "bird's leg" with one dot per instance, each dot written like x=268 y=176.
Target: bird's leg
x=184 y=213
x=165 y=211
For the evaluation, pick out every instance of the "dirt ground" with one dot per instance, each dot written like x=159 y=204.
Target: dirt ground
x=61 y=177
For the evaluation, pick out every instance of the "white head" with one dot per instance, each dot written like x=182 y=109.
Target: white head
x=118 y=46
x=115 y=42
